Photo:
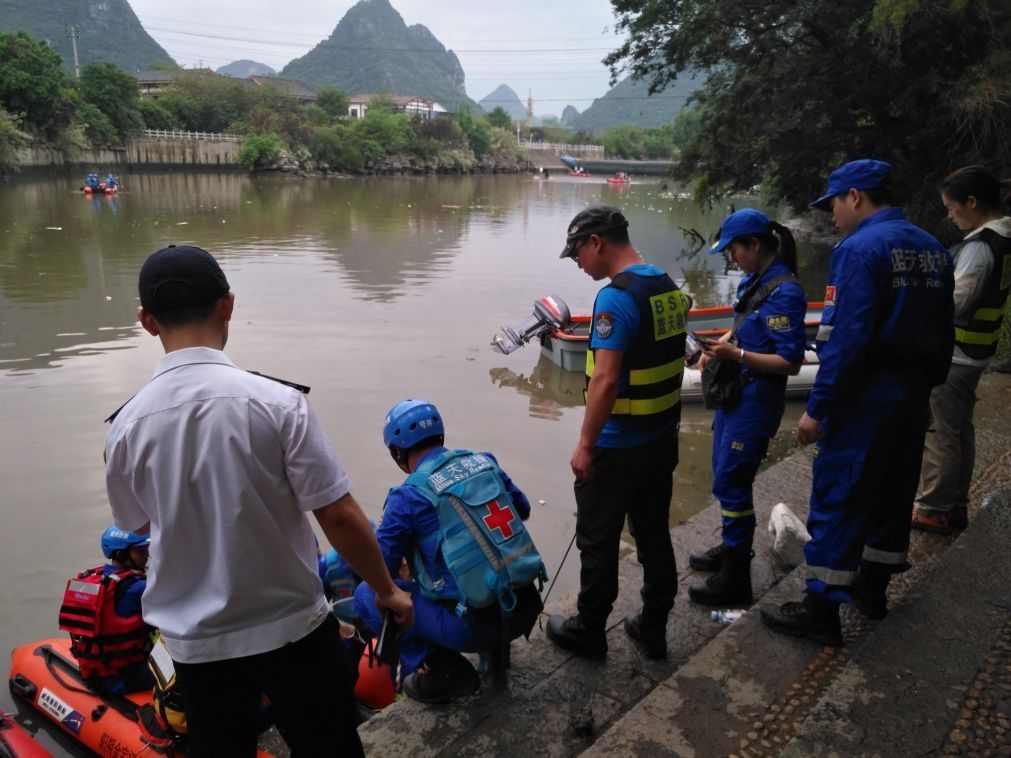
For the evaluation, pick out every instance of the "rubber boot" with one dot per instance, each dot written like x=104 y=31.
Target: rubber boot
x=708 y=560
x=869 y=590
x=650 y=631
x=448 y=676
x=577 y=636
x=731 y=585
x=813 y=617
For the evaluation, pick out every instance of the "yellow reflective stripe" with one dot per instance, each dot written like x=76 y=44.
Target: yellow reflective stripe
x=589 y=362
x=737 y=514
x=975 y=338
x=624 y=406
x=640 y=376
x=988 y=314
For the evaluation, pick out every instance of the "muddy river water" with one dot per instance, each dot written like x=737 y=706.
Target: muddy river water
x=368 y=290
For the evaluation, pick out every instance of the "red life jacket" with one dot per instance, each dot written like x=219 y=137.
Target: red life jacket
x=104 y=643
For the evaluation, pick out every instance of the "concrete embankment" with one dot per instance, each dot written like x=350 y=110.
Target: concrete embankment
x=743 y=690
x=146 y=152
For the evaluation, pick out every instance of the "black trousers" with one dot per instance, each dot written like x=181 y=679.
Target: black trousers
x=636 y=482
x=309 y=687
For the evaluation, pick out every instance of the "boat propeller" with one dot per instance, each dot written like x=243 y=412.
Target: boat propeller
x=550 y=312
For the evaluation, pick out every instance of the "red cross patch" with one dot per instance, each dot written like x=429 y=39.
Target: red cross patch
x=499 y=518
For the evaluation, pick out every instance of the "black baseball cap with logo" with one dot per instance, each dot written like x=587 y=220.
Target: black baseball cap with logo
x=597 y=219
x=179 y=277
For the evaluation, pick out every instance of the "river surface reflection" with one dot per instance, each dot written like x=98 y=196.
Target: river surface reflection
x=369 y=290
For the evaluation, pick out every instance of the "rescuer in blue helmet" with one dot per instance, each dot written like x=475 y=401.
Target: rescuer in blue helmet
x=101 y=610
x=458 y=521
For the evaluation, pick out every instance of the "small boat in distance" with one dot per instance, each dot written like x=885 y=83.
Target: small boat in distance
x=579 y=171
x=619 y=177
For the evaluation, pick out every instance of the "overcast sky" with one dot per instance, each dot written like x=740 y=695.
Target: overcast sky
x=551 y=48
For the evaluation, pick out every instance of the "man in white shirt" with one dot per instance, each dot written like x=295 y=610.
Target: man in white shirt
x=222 y=466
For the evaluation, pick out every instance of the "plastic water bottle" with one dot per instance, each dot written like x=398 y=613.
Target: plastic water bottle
x=725 y=617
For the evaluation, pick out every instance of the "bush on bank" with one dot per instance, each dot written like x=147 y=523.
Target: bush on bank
x=44 y=107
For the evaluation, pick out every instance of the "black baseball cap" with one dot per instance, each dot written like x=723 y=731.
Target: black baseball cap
x=596 y=219
x=180 y=277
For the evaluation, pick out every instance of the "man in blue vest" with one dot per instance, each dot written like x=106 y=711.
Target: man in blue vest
x=885 y=340
x=628 y=447
x=449 y=616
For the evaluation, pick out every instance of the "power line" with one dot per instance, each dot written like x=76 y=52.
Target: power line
x=315 y=34
x=274 y=43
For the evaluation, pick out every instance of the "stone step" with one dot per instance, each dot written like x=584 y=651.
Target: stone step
x=922 y=679
x=562 y=702
x=739 y=690
x=753 y=692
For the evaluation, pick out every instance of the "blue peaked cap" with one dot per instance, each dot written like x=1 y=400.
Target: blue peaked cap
x=863 y=174
x=746 y=222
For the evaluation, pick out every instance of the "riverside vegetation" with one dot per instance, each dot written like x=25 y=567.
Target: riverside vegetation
x=41 y=105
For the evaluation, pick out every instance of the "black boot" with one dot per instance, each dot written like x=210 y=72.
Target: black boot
x=576 y=636
x=709 y=560
x=814 y=617
x=650 y=631
x=448 y=676
x=731 y=585
x=869 y=588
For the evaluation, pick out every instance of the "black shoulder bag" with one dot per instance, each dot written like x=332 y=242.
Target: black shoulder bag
x=723 y=381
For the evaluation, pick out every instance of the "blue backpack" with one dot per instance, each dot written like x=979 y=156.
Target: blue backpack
x=482 y=539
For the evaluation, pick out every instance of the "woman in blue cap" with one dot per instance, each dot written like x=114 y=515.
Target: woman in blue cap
x=768 y=343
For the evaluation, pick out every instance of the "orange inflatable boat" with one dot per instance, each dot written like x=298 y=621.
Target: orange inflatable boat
x=17 y=743
x=44 y=675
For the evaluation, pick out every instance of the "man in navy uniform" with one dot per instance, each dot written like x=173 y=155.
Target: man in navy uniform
x=885 y=340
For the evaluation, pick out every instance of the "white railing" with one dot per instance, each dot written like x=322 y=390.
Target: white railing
x=561 y=147
x=206 y=136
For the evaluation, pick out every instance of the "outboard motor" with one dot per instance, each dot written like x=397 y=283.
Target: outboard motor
x=550 y=312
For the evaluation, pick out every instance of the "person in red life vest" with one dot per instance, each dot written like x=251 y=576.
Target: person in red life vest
x=102 y=611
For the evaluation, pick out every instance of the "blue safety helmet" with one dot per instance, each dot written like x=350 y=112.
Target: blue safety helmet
x=115 y=539
x=411 y=421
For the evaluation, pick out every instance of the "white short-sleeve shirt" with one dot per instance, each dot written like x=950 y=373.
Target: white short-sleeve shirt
x=224 y=465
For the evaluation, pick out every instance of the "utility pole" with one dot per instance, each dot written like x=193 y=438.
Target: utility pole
x=74 y=32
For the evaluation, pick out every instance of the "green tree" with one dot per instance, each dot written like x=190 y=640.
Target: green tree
x=333 y=101
x=479 y=138
x=99 y=130
x=339 y=147
x=206 y=102
x=260 y=150
x=623 y=141
x=498 y=117
x=31 y=83
x=156 y=115
x=797 y=88
x=12 y=139
x=382 y=133
x=115 y=93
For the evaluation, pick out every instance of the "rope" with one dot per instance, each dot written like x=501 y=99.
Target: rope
x=544 y=601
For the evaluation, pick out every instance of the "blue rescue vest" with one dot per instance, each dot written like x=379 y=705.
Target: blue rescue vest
x=481 y=537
